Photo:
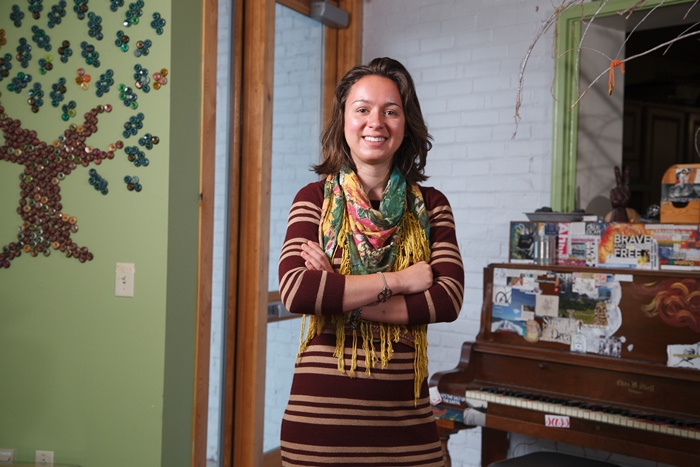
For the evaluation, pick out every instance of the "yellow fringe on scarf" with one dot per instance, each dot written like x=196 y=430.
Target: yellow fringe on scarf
x=413 y=248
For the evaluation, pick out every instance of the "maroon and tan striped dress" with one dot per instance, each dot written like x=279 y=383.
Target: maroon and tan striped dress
x=372 y=420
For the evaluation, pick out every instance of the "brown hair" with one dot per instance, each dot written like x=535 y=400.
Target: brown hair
x=411 y=156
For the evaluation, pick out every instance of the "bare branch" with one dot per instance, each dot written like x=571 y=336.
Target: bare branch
x=686 y=30
x=551 y=20
x=691 y=7
x=628 y=12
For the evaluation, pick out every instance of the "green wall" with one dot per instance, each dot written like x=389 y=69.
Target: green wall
x=106 y=381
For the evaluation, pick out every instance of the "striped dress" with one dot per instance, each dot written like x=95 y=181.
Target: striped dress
x=333 y=419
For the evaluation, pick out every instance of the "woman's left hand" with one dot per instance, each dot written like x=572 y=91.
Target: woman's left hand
x=315 y=258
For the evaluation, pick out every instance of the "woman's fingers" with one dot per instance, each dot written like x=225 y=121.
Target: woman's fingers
x=315 y=258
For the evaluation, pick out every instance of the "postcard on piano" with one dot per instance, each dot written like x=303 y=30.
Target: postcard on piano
x=684 y=356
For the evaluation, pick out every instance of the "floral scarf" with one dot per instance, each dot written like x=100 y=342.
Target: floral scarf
x=388 y=239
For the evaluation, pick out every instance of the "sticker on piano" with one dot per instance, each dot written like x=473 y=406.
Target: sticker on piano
x=558 y=330
x=547 y=305
x=451 y=399
x=557 y=421
x=684 y=356
x=610 y=346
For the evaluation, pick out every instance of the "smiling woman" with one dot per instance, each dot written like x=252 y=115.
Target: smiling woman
x=370 y=258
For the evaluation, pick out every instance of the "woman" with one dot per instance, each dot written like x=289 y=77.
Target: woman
x=372 y=258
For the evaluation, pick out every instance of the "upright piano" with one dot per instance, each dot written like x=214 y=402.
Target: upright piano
x=626 y=391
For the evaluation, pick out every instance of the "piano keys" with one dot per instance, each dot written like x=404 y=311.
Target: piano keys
x=605 y=414
x=633 y=404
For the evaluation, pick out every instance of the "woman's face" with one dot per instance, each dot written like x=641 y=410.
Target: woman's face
x=374 y=121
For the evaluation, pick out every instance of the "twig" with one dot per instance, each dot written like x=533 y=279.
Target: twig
x=551 y=20
x=631 y=9
x=686 y=30
x=583 y=37
x=691 y=7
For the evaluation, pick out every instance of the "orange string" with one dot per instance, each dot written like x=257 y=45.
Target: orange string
x=611 y=76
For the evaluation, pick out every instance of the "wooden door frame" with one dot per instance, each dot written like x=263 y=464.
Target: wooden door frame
x=206 y=231
x=252 y=60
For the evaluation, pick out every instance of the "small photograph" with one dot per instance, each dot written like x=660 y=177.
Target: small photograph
x=520 y=304
x=504 y=325
x=610 y=346
x=547 y=305
x=590 y=310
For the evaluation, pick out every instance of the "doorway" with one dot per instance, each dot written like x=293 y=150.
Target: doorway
x=662 y=110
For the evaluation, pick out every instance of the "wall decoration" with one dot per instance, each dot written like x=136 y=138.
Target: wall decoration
x=46 y=150
x=99 y=183
x=132 y=183
x=55 y=16
x=45 y=224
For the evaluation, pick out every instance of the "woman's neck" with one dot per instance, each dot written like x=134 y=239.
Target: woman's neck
x=374 y=180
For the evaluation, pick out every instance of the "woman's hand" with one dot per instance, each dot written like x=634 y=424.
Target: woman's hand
x=414 y=279
x=315 y=258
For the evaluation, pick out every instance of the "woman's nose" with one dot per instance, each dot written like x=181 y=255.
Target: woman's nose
x=375 y=120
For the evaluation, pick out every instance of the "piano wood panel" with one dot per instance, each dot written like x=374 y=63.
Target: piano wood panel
x=639 y=381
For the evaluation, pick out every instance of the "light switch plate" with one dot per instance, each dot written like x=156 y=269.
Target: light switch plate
x=124 y=280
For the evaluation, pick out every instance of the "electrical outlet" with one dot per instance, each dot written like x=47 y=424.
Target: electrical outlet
x=43 y=458
x=7 y=456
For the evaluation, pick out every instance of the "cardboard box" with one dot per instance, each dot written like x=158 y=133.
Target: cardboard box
x=680 y=195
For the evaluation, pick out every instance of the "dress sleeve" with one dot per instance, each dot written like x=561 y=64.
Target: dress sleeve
x=442 y=302
x=304 y=291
